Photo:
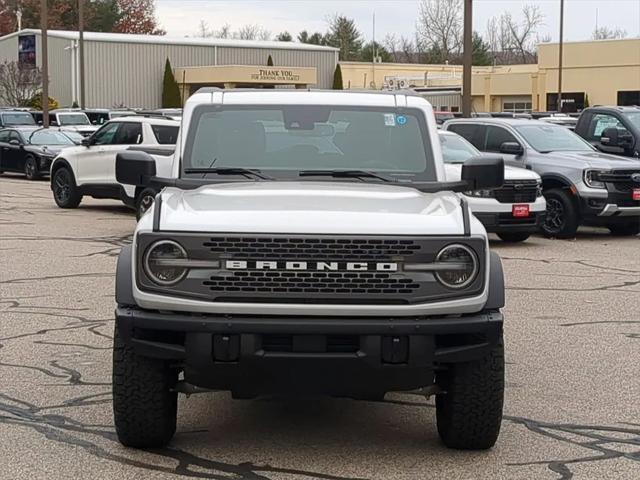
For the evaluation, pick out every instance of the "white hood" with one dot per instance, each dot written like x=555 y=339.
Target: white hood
x=311 y=207
x=453 y=172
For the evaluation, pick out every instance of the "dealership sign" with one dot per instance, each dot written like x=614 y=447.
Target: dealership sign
x=276 y=75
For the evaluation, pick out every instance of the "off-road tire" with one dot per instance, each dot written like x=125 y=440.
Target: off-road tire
x=625 y=229
x=142 y=201
x=144 y=407
x=65 y=190
x=31 y=168
x=469 y=412
x=560 y=202
x=513 y=237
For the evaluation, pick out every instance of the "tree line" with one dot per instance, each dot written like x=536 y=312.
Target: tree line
x=118 y=16
x=437 y=38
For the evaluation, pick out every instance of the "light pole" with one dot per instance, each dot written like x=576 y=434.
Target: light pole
x=559 y=103
x=81 y=45
x=19 y=19
x=467 y=59
x=45 y=63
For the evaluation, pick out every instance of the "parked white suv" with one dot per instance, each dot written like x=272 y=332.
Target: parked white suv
x=514 y=211
x=90 y=169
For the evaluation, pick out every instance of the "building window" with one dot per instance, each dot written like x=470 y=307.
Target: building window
x=455 y=109
x=631 y=97
x=517 y=107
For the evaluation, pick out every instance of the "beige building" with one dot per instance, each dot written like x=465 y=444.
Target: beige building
x=604 y=72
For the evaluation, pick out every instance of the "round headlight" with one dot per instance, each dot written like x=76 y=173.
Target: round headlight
x=463 y=266
x=161 y=262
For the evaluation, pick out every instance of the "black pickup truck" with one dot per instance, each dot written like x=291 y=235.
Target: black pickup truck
x=614 y=130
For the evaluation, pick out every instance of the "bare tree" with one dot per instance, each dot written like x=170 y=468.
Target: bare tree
x=252 y=32
x=439 y=27
x=512 y=41
x=18 y=85
x=606 y=33
x=224 y=32
x=522 y=34
x=203 y=30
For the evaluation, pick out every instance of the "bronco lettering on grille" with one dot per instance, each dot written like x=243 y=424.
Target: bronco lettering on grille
x=317 y=266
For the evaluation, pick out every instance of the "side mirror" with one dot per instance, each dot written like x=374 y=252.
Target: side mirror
x=87 y=142
x=511 y=148
x=615 y=137
x=14 y=142
x=484 y=172
x=135 y=168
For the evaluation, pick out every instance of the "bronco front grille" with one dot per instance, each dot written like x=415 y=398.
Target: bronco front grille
x=517 y=191
x=311 y=269
x=286 y=248
x=312 y=282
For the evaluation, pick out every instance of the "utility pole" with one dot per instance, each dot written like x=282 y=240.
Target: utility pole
x=374 y=50
x=81 y=45
x=560 y=45
x=467 y=59
x=45 y=63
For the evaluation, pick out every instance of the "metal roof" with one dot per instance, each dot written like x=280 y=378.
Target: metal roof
x=163 y=39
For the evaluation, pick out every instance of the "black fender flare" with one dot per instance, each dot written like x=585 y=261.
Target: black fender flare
x=496 y=298
x=124 y=286
x=57 y=164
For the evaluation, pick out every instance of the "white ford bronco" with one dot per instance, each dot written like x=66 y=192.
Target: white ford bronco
x=308 y=242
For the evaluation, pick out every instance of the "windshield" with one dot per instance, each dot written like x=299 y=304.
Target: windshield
x=73 y=119
x=17 y=118
x=456 y=149
x=634 y=117
x=49 y=137
x=290 y=139
x=552 y=138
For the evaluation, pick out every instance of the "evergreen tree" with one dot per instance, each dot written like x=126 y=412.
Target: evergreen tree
x=480 y=53
x=344 y=35
x=337 y=78
x=367 y=53
x=284 y=37
x=170 y=91
x=269 y=61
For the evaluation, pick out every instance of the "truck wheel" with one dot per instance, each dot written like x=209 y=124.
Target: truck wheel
x=31 y=168
x=625 y=229
x=469 y=412
x=144 y=407
x=144 y=201
x=562 y=215
x=513 y=237
x=65 y=191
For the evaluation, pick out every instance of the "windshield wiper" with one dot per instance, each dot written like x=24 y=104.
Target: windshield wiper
x=344 y=174
x=247 y=172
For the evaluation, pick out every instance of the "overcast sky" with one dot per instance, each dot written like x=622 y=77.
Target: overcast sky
x=181 y=17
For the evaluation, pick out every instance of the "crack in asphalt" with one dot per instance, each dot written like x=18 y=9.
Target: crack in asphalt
x=595 y=437
x=65 y=430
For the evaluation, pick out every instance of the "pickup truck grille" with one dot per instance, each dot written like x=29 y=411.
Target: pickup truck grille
x=311 y=269
x=620 y=180
x=517 y=191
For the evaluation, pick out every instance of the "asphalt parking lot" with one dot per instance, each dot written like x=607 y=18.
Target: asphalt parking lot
x=572 y=345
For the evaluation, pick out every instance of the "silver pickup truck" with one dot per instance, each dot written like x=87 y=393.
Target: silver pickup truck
x=582 y=186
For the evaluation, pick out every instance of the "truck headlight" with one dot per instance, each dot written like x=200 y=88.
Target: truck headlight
x=164 y=262
x=480 y=193
x=458 y=266
x=592 y=179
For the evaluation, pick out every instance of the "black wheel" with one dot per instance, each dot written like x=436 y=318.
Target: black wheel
x=625 y=229
x=65 y=191
x=562 y=214
x=513 y=237
x=144 y=407
x=469 y=412
x=144 y=201
x=31 y=168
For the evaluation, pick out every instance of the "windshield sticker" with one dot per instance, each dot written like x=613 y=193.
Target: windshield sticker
x=389 y=120
x=401 y=120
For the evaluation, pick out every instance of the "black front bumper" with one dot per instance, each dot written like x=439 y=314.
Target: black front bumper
x=506 y=222
x=361 y=357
